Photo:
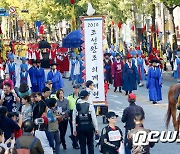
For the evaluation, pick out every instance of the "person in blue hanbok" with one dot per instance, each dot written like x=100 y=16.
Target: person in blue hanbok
x=11 y=69
x=130 y=76
x=40 y=76
x=72 y=66
x=24 y=65
x=141 y=68
x=154 y=82
x=23 y=77
x=78 y=70
x=32 y=75
x=177 y=68
x=55 y=76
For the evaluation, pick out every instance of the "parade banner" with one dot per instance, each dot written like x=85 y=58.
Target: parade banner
x=93 y=44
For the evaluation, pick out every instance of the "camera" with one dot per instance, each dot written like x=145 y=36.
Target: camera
x=39 y=121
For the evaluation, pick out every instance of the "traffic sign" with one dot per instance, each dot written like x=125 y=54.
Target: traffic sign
x=4 y=12
x=12 y=9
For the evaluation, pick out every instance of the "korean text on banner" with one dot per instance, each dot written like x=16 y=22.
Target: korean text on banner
x=93 y=36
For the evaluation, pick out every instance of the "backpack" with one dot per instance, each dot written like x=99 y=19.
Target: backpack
x=83 y=118
x=25 y=150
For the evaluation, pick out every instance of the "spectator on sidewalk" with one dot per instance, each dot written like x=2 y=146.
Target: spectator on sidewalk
x=145 y=148
x=6 y=124
x=53 y=117
x=28 y=140
x=128 y=117
x=63 y=107
x=45 y=136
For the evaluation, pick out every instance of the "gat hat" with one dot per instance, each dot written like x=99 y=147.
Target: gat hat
x=33 y=61
x=111 y=114
x=11 y=57
x=38 y=61
x=23 y=58
x=118 y=54
x=88 y=83
x=53 y=63
x=131 y=97
x=48 y=82
x=129 y=56
x=154 y=61
x=107 y=54
x=139 y=52
x=45 y=89
x=84 y=93
x=76 y=86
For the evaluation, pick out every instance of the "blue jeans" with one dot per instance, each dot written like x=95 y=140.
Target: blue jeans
x=127 y=150
x=56 y=138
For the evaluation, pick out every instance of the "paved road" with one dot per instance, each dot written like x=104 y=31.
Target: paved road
x=155 y=114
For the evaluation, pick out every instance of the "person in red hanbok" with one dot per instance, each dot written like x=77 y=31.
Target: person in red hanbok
x=117 y=68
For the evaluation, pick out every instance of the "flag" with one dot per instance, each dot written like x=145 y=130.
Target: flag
x=73 y=24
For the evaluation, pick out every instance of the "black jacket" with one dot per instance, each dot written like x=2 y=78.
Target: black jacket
x=108 y=146
x=38 y=109
x=129 y=114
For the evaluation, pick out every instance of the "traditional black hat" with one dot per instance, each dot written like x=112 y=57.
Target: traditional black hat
x=154 y=61
x=53 y=63
x=107 y=54
x=38 y=61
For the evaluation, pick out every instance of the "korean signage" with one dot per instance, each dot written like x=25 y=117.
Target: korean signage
x=93 y=37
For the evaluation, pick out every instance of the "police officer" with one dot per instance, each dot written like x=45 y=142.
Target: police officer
x=72 y=102
x=128 y=117
x=85 y=122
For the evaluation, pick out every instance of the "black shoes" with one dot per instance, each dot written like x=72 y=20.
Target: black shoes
x=76 y=147
x=115 y=89
x=154 y=102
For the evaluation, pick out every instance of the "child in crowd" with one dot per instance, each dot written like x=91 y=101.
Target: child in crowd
x=8 y=80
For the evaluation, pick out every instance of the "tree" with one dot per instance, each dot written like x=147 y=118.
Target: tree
x=171 y=5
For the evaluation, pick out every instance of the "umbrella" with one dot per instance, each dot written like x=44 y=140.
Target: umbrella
x=44 y=44
x=73 y=40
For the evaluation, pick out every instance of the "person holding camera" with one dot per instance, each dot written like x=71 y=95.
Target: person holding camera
x=85 y=122
x=53 y=117
x=63 y=107
x=9 y=98
x=44 y=135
